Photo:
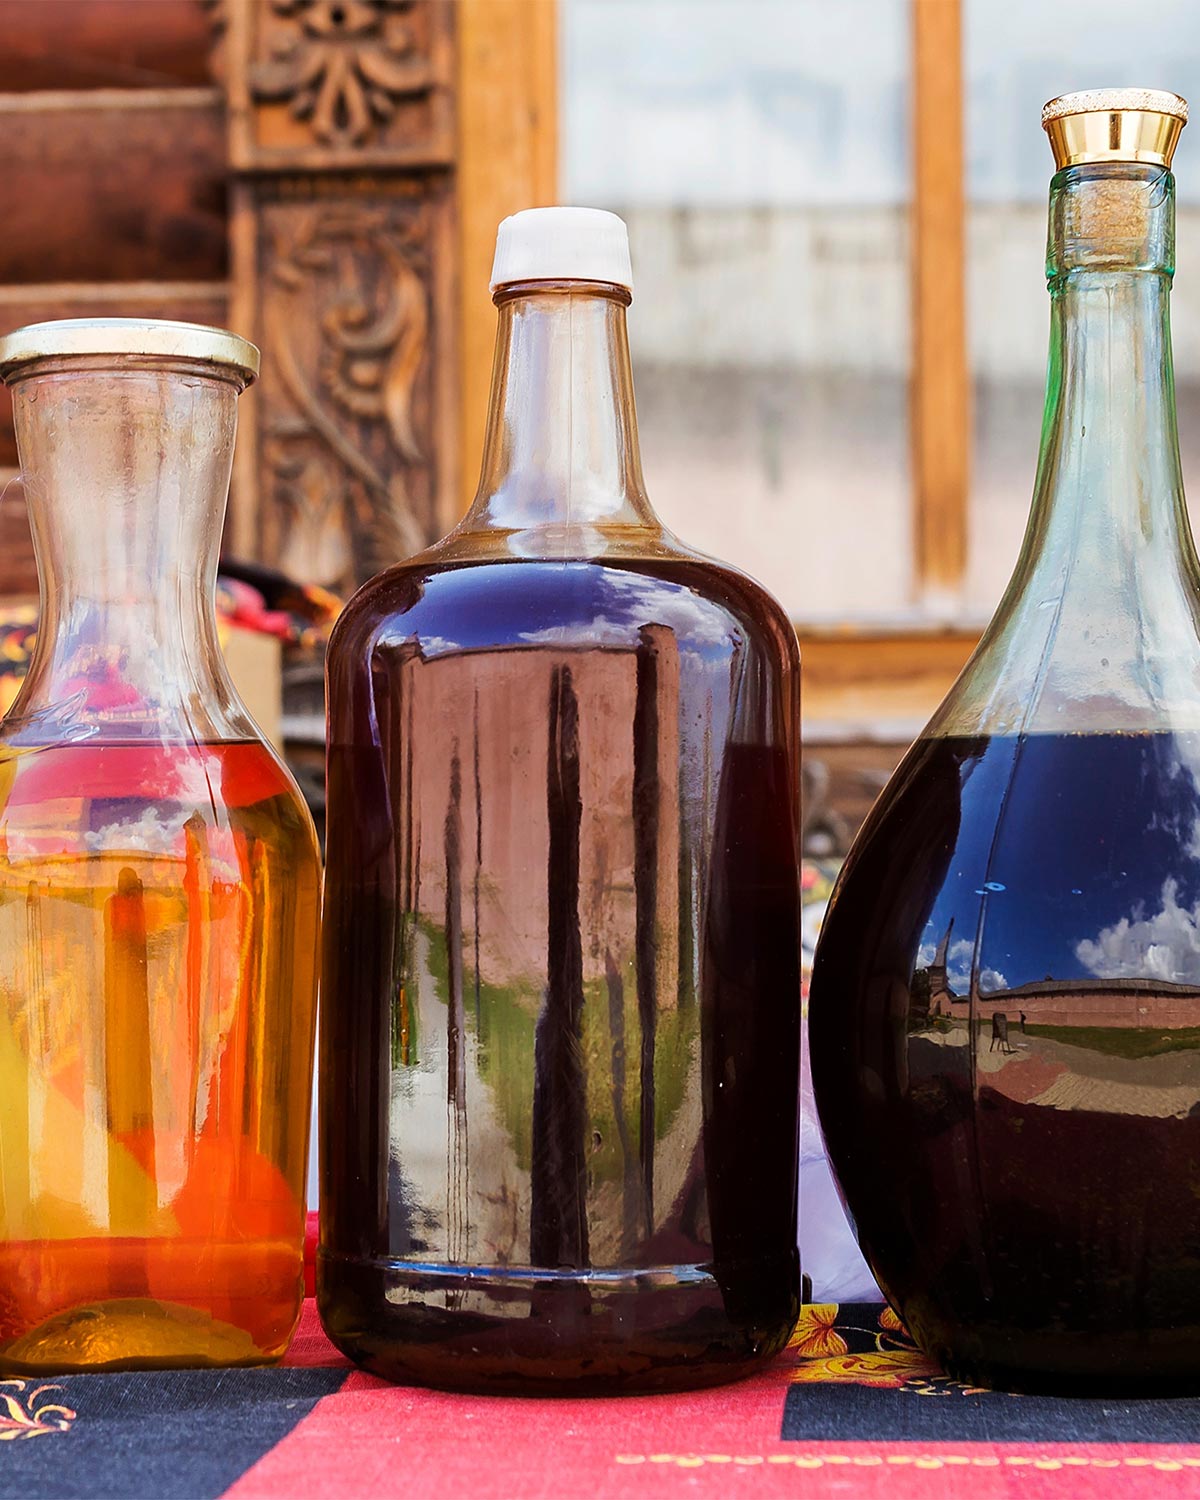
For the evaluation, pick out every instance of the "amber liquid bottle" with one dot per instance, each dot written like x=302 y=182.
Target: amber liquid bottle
x=159 y=889
x=1005 y=1008
x=560 y=1014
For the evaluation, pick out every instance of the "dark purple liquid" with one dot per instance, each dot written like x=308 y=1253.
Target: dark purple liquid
x=1005 y=1032
x=561 y=994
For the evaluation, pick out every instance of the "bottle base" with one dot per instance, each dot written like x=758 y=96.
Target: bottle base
x=547 y=1333
x=130 y=1333
x=1058 y=1362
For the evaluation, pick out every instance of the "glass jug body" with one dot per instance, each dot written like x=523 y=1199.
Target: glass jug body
x=1005 y=1008
x=560 y=1031
x=159 y=889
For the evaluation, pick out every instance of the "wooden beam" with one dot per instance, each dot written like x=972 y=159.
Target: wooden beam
x=941 y=409
x=507 y=160
x=113 y=185
x=879 y=684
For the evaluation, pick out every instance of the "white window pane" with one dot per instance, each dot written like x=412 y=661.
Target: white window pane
x=1018 y=55
x=765 y=182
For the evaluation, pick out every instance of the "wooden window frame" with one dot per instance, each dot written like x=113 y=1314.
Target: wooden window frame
x=864 y=682
x=507 y=159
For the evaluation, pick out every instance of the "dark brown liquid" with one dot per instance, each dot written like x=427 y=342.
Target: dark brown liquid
x=1005 y=1033
x=561 y=996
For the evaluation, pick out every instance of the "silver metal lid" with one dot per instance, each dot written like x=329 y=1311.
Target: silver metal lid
x=65 y=338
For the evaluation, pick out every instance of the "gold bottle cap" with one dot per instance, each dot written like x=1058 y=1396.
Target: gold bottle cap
x=65 y=338
x=1115 y=125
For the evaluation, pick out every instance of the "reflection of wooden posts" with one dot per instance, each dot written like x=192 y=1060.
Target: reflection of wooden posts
x=656 y=880
x=630 y=1184
x=457 y=1209
x=558 y=1234
x=39 y=1041
x=340 y=122
x=199 y=918
x=646 y=796
x=128 y=1075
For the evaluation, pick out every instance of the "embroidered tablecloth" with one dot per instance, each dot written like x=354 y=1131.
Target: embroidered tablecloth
x=852 y=1409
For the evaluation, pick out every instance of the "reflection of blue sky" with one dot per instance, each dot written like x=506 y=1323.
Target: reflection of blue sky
x=633 y=600
x=566 y=604
x=1093 y=871
x=1163 y=944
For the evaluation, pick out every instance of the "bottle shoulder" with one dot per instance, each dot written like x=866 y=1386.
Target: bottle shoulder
x=441 y=605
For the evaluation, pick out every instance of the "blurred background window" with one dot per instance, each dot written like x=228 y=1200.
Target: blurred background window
x=838 y=215
x=759 y=154
x=837 y=210
x=1017 y=55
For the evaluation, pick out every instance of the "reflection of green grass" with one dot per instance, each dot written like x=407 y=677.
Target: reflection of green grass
x=1117 y=1041
x=506 y=1027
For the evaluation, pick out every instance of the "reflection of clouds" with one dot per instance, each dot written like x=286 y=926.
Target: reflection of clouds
x=437 y=645
x=634 y=600
x=1180 y=817
x=1165 y=945
x=150 y=831
x=958 y=967
x=156 y=835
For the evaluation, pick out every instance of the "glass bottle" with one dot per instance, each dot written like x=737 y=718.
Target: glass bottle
x=560 y=1004
x=159 y=888
x=1005 y=1007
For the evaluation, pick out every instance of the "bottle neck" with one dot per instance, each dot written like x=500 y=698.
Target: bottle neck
x=126 y=472
x=1109 y=471
x=1093 y=629
x=561 y=463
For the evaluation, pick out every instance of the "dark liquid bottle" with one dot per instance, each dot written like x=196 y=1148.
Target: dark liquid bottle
x=1005 y=1011
x=560 y=1033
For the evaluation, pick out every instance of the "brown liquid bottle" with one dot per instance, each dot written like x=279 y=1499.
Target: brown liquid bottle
x=560 y=1014
x=1005 y=1008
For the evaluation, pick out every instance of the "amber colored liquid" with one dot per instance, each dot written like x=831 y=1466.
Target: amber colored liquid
x=158 y=915
x=1005 y=1044
x=560 y=1030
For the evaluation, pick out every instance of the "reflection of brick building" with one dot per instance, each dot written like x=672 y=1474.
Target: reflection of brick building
x=1152 y=1003
x=481 y=721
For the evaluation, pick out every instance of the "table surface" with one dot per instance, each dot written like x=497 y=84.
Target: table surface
x=852 y=1409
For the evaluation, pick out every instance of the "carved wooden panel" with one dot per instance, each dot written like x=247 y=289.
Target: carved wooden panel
x=348 y=439
x=337 y=83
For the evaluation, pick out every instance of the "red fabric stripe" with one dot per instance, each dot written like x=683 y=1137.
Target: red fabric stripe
x=385 y=1441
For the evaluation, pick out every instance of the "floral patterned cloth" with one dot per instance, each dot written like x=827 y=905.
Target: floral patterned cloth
x=852 y=1404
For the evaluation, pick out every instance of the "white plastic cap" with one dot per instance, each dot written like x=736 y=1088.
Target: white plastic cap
x=562 y=244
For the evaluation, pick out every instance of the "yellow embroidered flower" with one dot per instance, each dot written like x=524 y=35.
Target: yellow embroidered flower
x=815 y=1336
x=22 y=1417
x=891 y=1323
x=886 y=1369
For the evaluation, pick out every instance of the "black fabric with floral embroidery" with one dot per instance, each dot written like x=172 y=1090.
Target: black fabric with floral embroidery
x=858 y=1376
